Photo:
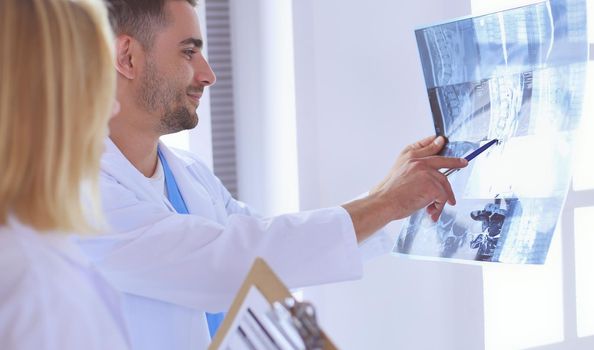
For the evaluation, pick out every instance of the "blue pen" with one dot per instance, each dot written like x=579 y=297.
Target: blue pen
x=473 y=155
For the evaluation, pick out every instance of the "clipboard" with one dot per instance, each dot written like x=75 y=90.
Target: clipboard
x=266 y=310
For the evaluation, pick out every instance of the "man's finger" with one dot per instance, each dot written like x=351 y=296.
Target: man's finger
x=427 y=141
x=435 y=216
x=434 y=210
x=421 y=144
x=446 y=186
x=438 y=162
x=441 y=194
x=429 y=147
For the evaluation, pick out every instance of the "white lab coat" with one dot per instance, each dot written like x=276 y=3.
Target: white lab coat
x=175 y=267
x=52 y=298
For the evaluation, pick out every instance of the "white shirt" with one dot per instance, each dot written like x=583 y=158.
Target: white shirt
x=157 y=181
x=174 y=267
x=50 y=296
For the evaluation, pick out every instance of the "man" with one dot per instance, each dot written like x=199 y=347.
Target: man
x=182 y=245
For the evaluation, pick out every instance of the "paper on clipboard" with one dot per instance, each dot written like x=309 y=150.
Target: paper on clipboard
x=265 y=316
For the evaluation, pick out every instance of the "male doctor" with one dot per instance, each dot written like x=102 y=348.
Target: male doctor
x=181 y=245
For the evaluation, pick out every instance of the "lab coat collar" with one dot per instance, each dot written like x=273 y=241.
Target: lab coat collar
x=181 y=164
x=115 y=164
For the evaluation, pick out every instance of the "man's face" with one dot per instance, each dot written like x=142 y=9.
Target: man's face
x=175 y=71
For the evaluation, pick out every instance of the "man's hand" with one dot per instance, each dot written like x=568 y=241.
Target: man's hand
x=428 y=146
x=413 y=183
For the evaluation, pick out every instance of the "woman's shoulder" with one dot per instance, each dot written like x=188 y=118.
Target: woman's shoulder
x=25 y=285
x=33 y=262
x=48 y=258
x=46 y=290
x=16 y=252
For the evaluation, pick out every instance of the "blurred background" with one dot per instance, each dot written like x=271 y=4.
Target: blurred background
x=314 y=101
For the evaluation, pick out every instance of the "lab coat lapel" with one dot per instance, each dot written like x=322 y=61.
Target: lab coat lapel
x=114 y=163
x=197 y=199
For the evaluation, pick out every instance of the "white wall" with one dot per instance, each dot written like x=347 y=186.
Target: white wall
x=264 y=91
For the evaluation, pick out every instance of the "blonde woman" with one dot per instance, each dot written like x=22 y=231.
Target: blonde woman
x=57 y=86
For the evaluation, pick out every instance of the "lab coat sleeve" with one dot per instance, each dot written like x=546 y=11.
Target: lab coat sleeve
x=193 y=262
x=380 y=243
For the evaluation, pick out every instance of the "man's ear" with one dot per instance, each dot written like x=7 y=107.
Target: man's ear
x=125 y=56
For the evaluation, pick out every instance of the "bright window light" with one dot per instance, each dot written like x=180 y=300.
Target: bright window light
x=524 y=303
x=180 y=140
x=584 y=260
x=590 y=4
x=279 y=77
x=583 y=171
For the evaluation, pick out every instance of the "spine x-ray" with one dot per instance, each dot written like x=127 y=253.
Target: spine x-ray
x=517 y=76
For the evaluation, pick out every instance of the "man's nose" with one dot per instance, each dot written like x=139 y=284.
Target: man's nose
x=204 y=73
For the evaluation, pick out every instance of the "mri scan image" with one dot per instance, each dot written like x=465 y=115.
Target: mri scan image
x=517 y=76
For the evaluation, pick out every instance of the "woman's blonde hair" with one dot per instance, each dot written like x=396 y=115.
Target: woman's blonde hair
x=57 y=89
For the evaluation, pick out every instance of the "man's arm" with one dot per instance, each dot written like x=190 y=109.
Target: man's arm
x=195 y=262
x=413 y=183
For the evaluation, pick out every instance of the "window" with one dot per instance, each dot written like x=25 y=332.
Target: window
x=218 y=31
x=580 y=205
x=584 y=241
x=529 y=306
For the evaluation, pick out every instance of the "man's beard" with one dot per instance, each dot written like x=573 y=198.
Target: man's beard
x=157 y=96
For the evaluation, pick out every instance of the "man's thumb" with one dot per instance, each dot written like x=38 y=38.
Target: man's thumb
x=430 y=149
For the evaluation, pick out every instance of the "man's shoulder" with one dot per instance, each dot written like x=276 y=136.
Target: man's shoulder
x=186 y=156
x=189 y=159
x=197 y=169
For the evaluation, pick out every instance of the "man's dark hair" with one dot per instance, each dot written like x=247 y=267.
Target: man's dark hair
x=139 y=18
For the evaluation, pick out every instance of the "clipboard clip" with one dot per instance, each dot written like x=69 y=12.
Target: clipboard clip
x=297 y=321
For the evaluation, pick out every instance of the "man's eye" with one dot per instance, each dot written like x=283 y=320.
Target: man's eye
x=190 y=53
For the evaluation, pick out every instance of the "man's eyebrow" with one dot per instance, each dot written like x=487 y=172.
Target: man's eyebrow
x=196 y=42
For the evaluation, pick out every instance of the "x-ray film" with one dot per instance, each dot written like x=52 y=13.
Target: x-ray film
x=517 y=76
